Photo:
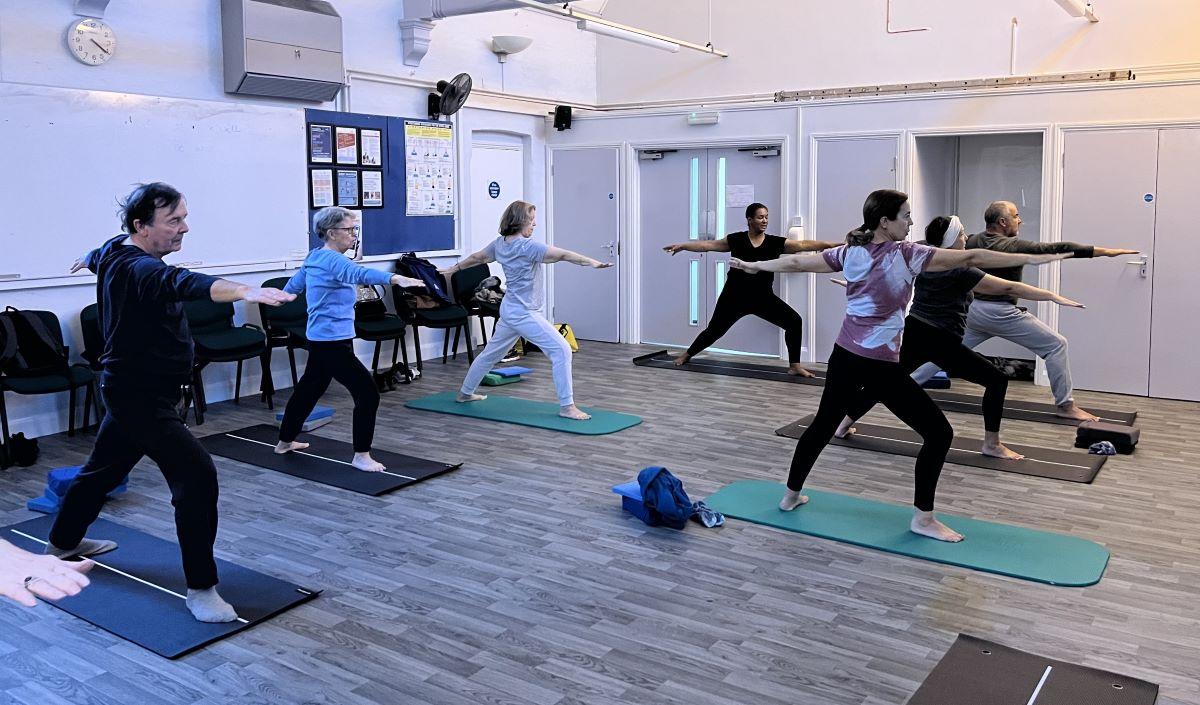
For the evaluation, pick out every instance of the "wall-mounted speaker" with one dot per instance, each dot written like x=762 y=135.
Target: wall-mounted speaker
x=562 y=117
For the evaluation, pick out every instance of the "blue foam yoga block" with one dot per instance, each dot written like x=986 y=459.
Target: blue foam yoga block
x=631 y=499
x=513 y=371
x=320 y=416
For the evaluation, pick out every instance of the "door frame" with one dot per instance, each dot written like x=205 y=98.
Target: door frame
x=810 y=220
x=631 y=211
x=548 y=223
x=1061 y=130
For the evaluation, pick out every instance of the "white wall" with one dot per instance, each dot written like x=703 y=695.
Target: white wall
x=174 y=49
x=802 y=44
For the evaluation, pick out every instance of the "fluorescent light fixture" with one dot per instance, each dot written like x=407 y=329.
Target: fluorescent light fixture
x=627 y=35
x=1078 y=8
x=706 y=118
x=948 y=86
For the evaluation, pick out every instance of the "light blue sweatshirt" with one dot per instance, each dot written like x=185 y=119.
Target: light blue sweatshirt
x=329 y=278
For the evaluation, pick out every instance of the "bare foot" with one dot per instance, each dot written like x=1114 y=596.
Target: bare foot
x=845 y=428
x=1070 y=411
x=469 y=397
x=1001 y=451
x=573 y=412
x=682 y=359
x=285 y=447
x=926 y=524
x=364 y=462
x=797 y=370
x=791 y=500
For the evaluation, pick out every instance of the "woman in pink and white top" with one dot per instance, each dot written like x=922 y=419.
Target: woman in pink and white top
x=880 y=266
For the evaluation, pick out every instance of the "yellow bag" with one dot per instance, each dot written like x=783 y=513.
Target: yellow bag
x=565 y=330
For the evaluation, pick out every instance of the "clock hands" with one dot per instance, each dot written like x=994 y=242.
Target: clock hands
x=100 y=46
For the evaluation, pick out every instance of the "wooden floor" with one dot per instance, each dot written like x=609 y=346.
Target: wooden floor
x=517 y=579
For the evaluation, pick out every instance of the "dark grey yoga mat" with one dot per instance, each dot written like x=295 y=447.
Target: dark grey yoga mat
x=131 y=590
x=1072 y=466
x=946 y=401
x=1024 y=410
x=664 y=360
x=979 y=672
x=325 y=460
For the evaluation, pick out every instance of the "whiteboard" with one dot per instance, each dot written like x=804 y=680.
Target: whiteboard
x=67 y=156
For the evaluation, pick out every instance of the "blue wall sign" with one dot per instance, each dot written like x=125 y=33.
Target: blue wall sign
x=494 y=189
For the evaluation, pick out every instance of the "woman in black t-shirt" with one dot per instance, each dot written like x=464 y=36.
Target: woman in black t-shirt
x=751 y=294
x=933 y=332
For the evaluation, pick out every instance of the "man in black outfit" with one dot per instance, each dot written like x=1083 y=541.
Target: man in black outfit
x=147 y=359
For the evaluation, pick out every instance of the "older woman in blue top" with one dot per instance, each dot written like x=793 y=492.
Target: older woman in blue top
x=330 y=278
x=521 y=309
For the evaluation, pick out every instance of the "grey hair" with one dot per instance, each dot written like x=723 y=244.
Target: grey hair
x=516 y=217
x=329 y=217
x=997 y=210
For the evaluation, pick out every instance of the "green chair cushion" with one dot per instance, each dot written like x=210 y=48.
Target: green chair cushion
x=229 y=342
x=45 y=384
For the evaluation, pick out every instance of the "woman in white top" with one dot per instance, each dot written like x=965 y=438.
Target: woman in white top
x=521 y=309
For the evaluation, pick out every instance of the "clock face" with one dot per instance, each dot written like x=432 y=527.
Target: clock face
x=91 y=41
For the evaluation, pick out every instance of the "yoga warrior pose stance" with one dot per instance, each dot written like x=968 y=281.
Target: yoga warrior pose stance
x=147 y=359
x=521 y=308
x=997 y=316
x=750 y=294
x=934 y=328
x=330 y=278
x=880 y=267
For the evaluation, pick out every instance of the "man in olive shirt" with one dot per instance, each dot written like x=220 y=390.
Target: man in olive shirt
x=998 y=316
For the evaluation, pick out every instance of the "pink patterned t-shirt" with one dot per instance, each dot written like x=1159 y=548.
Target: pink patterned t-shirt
x=880 y=282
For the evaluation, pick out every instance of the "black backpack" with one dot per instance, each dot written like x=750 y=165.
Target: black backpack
x=28 y=348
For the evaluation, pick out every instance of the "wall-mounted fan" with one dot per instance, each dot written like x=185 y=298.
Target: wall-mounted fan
x=450 y=96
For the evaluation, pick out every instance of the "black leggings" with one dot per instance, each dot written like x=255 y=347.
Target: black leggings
x=142 y=419
x=329 y=361
x=925 y=343
x=736 y=302
x=848 y=373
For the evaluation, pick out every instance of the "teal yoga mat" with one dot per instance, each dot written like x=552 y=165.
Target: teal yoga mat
x=1028 y=554
x=541 y=414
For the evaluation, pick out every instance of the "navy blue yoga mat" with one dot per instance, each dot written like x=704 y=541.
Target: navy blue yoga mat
x=137 y=591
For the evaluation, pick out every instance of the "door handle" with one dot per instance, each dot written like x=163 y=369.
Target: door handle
x=1142 y=262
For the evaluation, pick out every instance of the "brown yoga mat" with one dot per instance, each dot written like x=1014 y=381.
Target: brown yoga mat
x=979 y=672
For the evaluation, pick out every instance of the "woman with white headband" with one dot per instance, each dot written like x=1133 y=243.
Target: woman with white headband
x=933 y=332
x=881 y=265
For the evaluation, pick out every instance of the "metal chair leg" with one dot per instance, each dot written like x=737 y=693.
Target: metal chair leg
x=4 y=418
x=292 y=362
x=470 y=348
x=417 y=346
x=72 y=399
x=237 y=385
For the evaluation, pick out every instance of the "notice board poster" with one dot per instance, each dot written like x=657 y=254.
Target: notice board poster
x=429 y=168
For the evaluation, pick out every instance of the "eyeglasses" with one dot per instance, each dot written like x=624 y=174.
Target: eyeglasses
x=357 y=229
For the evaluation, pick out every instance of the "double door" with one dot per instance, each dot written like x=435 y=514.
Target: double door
x=1142 y=322
x=701 y=194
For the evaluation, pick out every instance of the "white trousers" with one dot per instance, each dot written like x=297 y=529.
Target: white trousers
x=532 y=326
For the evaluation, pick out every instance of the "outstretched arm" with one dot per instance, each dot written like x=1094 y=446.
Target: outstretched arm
x=998 y=286
x=792 y=247
x=943 y=259
x=557 y=254
x=483 y=256
x=721 y=245
x=224 y=291
x=25 y=575
x=1111 y=252
x=787 y=263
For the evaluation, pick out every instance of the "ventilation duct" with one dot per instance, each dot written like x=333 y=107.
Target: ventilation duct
x=282 y=48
